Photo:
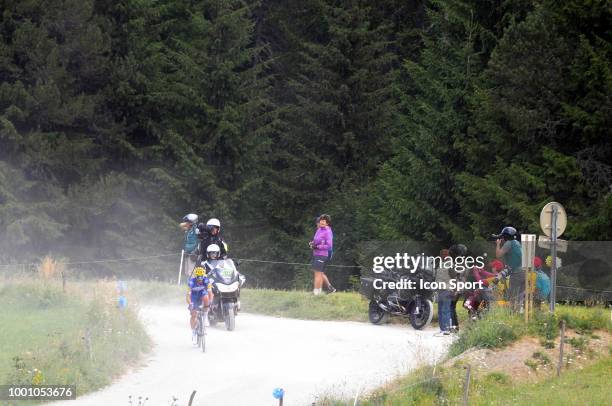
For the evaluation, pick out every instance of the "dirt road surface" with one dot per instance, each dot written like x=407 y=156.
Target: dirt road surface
x=308 y=359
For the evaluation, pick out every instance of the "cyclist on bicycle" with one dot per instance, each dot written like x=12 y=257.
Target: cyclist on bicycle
x=198 y=294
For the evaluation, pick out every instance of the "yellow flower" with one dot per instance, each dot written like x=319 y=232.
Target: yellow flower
x=549 y=260
x=38 y=377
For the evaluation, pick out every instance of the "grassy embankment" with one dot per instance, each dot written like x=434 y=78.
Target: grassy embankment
x=500 y=329
x=78 y=336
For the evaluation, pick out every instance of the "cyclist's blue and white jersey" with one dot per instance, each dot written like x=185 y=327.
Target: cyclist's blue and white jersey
x=199 y=289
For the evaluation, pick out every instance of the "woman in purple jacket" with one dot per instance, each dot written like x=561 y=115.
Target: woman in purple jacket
x=321 y=246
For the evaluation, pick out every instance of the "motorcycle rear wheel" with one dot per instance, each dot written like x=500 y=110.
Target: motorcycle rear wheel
x=376 y=315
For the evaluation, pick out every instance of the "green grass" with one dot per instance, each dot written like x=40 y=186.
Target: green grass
x=52 y=337
x=501 y=327
x=498 y=328
x=304 y=305
x=589 y=386
x=585 y=319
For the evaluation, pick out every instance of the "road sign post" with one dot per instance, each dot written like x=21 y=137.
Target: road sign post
x=553 y=254
x=553 y=221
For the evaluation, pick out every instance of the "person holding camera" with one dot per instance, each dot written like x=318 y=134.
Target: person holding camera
x=190 y=243
x=508 y=249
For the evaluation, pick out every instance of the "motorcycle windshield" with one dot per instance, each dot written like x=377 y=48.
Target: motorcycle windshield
x=225 y=270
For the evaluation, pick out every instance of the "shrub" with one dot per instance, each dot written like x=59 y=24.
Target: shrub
x=497 y=329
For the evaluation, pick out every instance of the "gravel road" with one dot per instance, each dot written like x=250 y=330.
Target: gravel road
x=242 y=367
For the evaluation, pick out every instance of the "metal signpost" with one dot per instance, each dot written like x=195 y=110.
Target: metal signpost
x=553 y=221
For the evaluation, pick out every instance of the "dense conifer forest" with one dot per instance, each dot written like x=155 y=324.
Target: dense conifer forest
x=425 y=120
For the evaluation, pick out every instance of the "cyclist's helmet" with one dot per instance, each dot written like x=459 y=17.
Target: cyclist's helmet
x=213 y=251
x=212 y=223
x=199 y=273
x=191 y=218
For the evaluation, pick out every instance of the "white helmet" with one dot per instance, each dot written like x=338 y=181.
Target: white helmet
x=192 y=218
x=214 y=223
x=213 y=249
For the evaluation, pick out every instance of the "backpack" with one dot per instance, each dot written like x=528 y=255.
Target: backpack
x=330 y=254
x=543 y=285
x=191 y=241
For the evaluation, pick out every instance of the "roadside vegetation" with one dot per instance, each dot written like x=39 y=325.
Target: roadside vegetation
x=589 y=385
x=513 y=363
x=304 y=305
x=500 y=327
x=75 y=334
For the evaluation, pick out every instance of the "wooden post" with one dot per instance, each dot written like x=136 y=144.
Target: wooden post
x=561 y=341
x=191 y=397
x=63 y=282
x=466 y=386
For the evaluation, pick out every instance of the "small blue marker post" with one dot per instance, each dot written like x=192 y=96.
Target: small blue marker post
x=121 y=287
x=122 y=302
x=279 y=393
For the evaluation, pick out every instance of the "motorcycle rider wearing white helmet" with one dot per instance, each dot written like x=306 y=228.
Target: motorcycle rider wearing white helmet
x=213 y=253
x=210 y=233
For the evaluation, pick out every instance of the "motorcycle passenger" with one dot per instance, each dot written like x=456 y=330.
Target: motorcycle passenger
x=199 y=294
x=210 y=233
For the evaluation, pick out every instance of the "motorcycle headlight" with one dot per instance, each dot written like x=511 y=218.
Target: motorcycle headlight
x=227 y=288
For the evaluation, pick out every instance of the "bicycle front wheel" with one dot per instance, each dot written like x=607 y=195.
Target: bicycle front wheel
x=201 y=332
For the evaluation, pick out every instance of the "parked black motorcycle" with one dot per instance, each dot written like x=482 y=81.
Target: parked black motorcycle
x=416 y=304
x=226 y=284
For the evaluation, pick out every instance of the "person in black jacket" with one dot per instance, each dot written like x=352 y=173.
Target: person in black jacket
x=210 y=233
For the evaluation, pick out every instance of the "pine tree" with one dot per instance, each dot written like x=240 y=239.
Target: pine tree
x=416 y=190
x=545 y=111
